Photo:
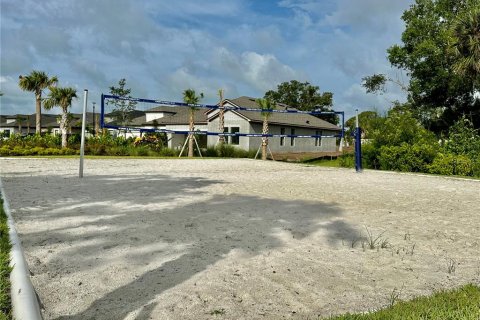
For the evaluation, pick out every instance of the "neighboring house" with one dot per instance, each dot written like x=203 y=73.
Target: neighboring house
x=279 y=123
x=24 y=124
x=168 y=118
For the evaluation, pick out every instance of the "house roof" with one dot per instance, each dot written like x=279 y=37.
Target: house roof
x=48 y=120
x=173 y=115
x=287 y=119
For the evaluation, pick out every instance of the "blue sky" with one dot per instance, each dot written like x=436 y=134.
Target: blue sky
x=163 y=47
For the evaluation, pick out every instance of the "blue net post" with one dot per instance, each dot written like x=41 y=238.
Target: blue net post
x=358 y=144
x=102 y=112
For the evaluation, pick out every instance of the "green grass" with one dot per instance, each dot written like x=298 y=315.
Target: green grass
x=5 y=303
x=335 y=163
x=459 y=304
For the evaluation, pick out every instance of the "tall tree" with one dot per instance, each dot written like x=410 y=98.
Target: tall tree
x=61 y=97
x=123 y=110
x=466 y=45
x=191 y=98
x=36 y=82
x=438 y=95
x=266 y=105
x=303 y=96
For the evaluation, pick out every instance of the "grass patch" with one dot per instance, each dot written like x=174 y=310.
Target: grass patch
x=5 y=246
x=459 y=304
x=333 y=163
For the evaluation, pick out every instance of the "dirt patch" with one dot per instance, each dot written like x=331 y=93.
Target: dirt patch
x=236 y=239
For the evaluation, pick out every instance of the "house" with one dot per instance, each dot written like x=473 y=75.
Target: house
x=166 y=118
x=279 y=123
x=25 y=124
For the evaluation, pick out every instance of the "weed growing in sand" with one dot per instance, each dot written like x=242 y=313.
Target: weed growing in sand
x=216 y=312
x=394 y=296
x=451 y=265
x=407 y=236
x=375 y=242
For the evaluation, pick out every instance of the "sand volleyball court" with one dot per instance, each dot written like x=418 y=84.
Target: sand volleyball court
x=236 y=239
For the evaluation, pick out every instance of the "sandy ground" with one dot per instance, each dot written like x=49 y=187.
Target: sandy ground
x=236 y=239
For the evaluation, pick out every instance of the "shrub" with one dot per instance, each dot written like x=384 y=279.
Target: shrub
x=167 y=152
x=347 y=160
x=408 y=158
x=451 y=164
x=117 y=151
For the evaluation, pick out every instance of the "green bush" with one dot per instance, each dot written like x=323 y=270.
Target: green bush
x=406 y=157
x=167 y=152
x=347 y=160
x=451 y=164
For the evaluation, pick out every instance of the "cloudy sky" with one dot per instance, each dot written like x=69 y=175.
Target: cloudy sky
x=163 y=47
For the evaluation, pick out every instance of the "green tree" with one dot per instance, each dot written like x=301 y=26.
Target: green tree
x=438 y=95
x=303 y=96
x=266 y=105
x=191 y=98
x=36 y=82
x=369 y=121
x=466 y=46
x=61 y=97
x=123 y=111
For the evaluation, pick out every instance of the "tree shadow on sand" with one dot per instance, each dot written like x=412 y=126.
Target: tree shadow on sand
x=173 y=211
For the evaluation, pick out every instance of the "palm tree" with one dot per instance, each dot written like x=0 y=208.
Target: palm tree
x=265 y=105
x=20 y=120
x=191 y=98
x=61 y=97
x=36 y=82
x=221 y=119
x=466 y=30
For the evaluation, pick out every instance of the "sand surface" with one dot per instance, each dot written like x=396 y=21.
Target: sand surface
x=236 y=239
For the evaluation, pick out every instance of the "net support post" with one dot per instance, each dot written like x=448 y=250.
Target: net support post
x=358 y=145
x=82 y=141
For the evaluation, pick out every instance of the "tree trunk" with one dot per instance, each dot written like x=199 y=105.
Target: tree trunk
x=38 y=110
x=190 y=135
x=63 y=128
x=264 y=139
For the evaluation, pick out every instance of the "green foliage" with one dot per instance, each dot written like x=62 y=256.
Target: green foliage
x=5 y=246
x=123 y=111
x=375 y=83
x=463 y=139
x=228 y=151
x=451 y=164
x=459 y=304
x=439 y=95
x=406 y=157
x=369 y=121
x=303 y=96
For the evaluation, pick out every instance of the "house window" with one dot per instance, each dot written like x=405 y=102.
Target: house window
x=235 y=140
x=282 y=139
x=318 y=140
x=292 y=139
x=6 y=133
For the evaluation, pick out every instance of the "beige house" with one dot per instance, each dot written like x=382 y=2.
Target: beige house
x=279 y=123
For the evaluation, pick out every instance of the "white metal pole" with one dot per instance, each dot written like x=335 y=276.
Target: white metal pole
x=84 y=120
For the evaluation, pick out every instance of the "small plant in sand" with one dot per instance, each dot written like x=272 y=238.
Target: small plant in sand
x=375 y=242
x=217 y=312
x=451 y=265
x=394 y=296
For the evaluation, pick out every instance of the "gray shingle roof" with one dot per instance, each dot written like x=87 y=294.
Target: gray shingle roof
x=287 y=119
